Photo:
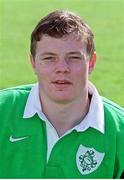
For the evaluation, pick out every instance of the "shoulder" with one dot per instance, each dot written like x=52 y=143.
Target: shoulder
x=114 y=118
x=26 y=87
x=113 y=109
x=9 y=95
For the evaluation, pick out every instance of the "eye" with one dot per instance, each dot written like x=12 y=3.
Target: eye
x=49 y=59
x=74 y=58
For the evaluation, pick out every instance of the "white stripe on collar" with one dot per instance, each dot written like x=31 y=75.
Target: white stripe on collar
x=93 y=119
x=95 y=116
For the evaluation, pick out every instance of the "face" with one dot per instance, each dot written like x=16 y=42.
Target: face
x=62 y=66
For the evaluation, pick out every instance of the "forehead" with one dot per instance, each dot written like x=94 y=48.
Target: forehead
x=60 y=45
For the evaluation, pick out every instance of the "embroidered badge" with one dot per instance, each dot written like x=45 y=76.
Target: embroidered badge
x=88 y=159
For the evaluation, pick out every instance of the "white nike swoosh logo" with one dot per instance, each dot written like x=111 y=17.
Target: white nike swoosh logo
x=12 y=139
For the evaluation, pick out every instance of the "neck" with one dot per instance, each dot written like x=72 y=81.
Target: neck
x=65 y=116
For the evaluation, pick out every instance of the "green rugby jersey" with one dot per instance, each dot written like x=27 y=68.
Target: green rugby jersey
x=88 y=154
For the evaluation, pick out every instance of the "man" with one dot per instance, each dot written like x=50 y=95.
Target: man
x=60 y=127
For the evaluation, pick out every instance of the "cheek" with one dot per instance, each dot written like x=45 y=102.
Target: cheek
x=81 y=71
x=81 y=76
x=41 y=71
x=43 y=75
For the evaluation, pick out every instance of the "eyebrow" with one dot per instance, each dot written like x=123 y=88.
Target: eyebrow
x=69 y=53
x=48 y=53
x=74 y=52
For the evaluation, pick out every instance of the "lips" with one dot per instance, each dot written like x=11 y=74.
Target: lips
x=61 y=83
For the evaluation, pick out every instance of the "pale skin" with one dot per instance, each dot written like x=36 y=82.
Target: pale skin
x=62 y=67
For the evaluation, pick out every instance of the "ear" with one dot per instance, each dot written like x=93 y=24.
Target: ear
x=92 y=63
x=32 y=60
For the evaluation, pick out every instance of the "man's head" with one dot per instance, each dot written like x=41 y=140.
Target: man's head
x=60 y=24
x=62 y=55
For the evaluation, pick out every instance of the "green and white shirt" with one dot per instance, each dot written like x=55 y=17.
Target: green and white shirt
x=31 y=148
x=94 y=118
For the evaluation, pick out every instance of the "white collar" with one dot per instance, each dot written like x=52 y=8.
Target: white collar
x=93 y=119
x=95 y=116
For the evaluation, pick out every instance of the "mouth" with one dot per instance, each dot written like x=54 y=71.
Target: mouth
x=61 y=83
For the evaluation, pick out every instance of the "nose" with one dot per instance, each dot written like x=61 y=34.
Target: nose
x=62 y=66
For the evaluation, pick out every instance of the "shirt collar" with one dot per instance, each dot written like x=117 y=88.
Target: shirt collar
x=93 y=119
x=33 y=104
x=95 y=115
